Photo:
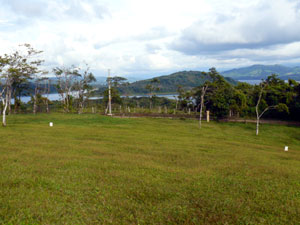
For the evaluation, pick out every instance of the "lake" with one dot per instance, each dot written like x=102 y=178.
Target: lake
x=56 y=96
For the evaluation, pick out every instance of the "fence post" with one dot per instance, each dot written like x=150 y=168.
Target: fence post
x=207 y=116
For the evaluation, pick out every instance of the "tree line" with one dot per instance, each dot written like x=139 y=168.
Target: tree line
x=22 y=73
x=22 y=68
x=273 y=98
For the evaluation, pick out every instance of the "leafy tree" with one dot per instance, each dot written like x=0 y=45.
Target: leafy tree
x=218 y=94
x=117 y=81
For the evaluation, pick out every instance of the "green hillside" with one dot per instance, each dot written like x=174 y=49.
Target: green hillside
x=169 y=83
x=257 y=72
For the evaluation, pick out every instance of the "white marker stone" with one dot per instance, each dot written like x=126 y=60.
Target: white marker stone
x=51 y=124
x=286 y=148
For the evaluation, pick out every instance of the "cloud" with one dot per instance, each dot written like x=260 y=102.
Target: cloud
x=261 y=25
x=153 y=37
x=152 y=48
x=58 y=10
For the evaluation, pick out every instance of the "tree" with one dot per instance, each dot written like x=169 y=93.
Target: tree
x=152 y=87
x=37 y=91
x=66 y=77
x=83 y=87
x=116 y=82
x=17 y=68
x=184 y=98
x=269 y=87
x=203 y=91
x=6 y=82
x=47 y=87
x=219 y=94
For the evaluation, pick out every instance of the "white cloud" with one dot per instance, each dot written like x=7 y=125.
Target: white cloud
x=140 y=37
x=264 y=23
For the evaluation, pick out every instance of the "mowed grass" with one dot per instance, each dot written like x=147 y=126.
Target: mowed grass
x=90 y=169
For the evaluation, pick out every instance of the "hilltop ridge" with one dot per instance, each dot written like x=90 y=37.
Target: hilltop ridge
x=258 y=72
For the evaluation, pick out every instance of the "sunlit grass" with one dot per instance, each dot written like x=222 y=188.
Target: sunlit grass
x=90 y=169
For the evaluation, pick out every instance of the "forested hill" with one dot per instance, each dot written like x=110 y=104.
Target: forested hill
x=170 y=83
x=258 y=72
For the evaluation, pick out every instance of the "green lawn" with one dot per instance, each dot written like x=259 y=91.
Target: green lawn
x=90 y=169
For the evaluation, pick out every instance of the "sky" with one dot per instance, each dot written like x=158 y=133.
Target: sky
x=140 y=38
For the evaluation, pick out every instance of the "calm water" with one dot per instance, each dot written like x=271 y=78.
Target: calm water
x=55 y=96
x=52 y=97
x=252 y=82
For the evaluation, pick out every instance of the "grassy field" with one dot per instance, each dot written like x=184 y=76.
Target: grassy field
x=90 y=169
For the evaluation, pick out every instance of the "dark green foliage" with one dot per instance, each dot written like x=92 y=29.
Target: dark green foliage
x=224 y=99
x=115 y=96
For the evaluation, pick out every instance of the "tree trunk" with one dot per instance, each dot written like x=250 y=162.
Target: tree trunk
x=4 y=110
x=34 y=103
x=202 y=103
x=9 y=101
x=257 y=125
x=256 y=110
x=200 y=116
x=47 y=99
x=16 y=103
x=150 y=103
x=47 y=105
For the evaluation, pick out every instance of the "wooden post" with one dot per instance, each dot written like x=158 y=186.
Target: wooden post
x=159 y=109
x=207 y=116
x=189 y=111
x=109 y=95
x=166 y=110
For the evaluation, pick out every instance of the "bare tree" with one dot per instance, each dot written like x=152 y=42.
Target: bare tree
x=281 y=107
x=47 y=92
x=83 y=87
x=263 y=85
x=15 y=68
x=65 y=81
x=6 y=88
x=152 y=87
x=203 y=91
x=37 y=91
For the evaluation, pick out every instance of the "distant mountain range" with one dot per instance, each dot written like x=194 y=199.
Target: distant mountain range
x=191 y=79
x=258 y=72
